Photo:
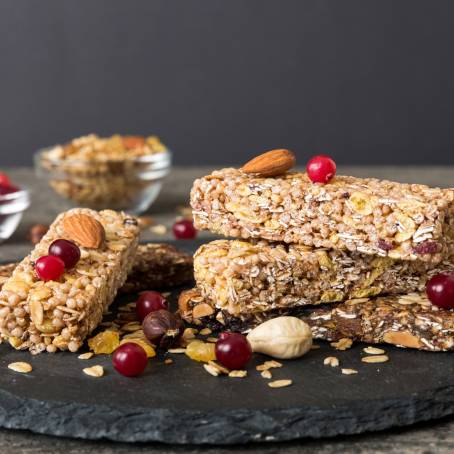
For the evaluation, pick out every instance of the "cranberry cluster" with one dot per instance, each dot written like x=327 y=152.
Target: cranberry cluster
x=63 y=254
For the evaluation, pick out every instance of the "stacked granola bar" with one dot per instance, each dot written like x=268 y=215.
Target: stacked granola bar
x=312 y=249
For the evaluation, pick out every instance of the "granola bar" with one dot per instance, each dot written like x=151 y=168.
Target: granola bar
x=405 y=321
x=39 y=315
x=158 y=265
x=248 y=277
x=400 y=221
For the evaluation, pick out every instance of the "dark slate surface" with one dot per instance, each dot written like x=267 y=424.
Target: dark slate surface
x=182 y=403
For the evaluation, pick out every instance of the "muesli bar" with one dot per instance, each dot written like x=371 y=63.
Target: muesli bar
x=156 y=266
x=249 y=277
x=405 y=321
x=50 y=315
x=367 y=215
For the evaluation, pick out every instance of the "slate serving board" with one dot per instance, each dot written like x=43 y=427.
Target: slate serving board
x=182 y=403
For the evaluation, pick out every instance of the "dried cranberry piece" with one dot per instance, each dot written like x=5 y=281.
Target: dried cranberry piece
x=384 y=245
x=427 y=247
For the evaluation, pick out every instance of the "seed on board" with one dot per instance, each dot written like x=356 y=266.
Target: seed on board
x=266 y=374
x=279 y=383
x=87 y=355
x=176 y=350
x=221 y=369
x=375 y=359
x=94 y=371
x=331 y=361
x=211 y=370
x=349 y=371
x=237 y=373
x=23 y=368
x=342 y=344
x=373 y=351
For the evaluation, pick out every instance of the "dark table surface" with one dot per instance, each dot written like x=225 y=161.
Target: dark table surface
x=431 y=437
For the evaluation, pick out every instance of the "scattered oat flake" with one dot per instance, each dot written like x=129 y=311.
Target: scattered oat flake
x=266 y=374
x=205 y=331
x=342 y=344
x=375 y=359
x=94 y=371
x=168 y=361
x=211 y=370
x=176 y=350
x=331 y=361
x=238 y=373
x=221 y=369
x=159 y=229
x=87 y=355
x=373 y=351
x=349 y=371
x=272 y=364
x=22 y=367
x=279 y=383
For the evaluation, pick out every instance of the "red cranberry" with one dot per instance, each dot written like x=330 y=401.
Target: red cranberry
x=440 y=290
x=49 y=268
x=8 y=189
x=184 y=229
x=321 y=169
x=129 y=359
x=65 y=250
x=150 y=302
x=4 y=180
x=234 y=351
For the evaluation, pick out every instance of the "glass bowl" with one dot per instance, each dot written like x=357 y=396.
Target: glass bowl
x=128 y=184
x=12 y=207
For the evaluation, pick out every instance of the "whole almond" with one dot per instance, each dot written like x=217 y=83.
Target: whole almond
x=270 y=164
x=84 y=230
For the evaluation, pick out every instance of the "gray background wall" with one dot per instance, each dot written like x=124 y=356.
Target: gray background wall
x=220 y=80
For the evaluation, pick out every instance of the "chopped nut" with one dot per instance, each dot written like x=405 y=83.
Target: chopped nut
x=266 y=374
x=168 y=361
x=189 y=333
x=349 y=371
x=211 y=370
x=205 y=331
x=159 y=229
x=342 y=344
x=279 y=383
x=375 y=359
x=94 y=371
x=238 y=373
x=87 y=355
x=22 y=367
x=331 y=361
x=373 y=351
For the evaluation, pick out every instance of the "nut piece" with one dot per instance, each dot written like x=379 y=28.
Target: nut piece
x=84 y=230
x=375 y=359
x=36 y=232
x=281 y=337
x=403 y=338
x=94 y=371
x=23 y=368
x=331 y=361
x=279 y=383
x=87 y=355
x=202 y=310
x=342 y=344
x=270 y=164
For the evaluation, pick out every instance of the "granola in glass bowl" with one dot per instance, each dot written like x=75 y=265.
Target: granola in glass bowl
x=117 y=172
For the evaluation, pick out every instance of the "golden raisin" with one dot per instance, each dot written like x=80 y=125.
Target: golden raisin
x=105 y=342
x=201 y=351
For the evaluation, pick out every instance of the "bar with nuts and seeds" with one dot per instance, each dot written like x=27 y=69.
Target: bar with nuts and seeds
x=254 y=277
x=50 y=315
x=403 y=320
x=378 y=217
x=155 y=266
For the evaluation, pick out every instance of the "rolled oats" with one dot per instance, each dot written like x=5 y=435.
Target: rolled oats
x=22 y=367
x=279 y=383
x=331 y=361
x=349 y=371
x=94 y=371
x=238 y=373
x=375 y=359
